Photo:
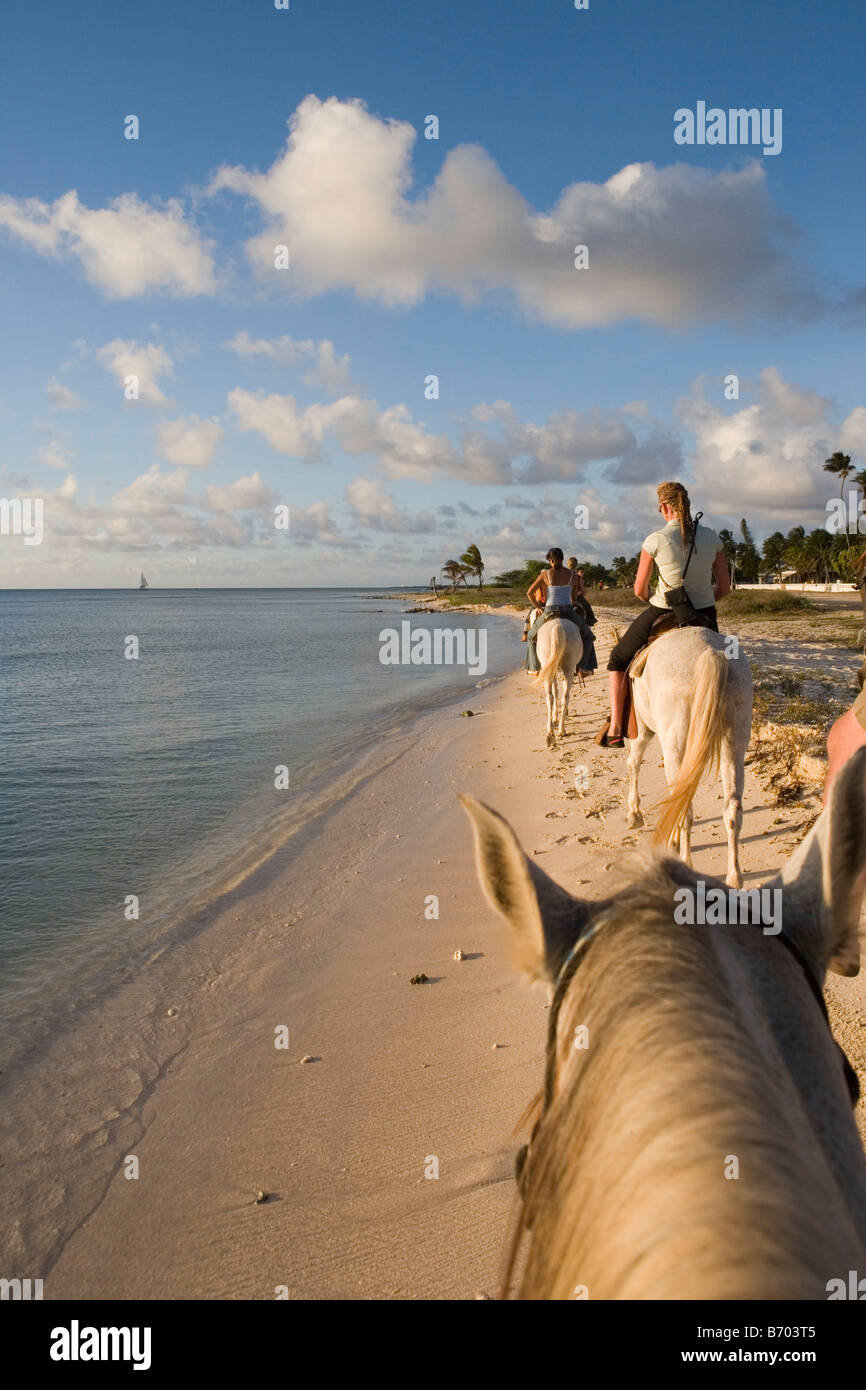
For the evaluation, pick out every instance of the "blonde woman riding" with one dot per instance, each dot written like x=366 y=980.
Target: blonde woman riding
x=707 y=580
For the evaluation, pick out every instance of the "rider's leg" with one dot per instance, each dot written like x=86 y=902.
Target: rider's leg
x=589 y=659
x=617 y=684
x=532 y=662
x=626 y=649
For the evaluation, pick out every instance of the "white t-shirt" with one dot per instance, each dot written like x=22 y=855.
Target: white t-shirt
x=666 y=548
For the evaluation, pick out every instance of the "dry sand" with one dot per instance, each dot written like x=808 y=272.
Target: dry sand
x=323 y=941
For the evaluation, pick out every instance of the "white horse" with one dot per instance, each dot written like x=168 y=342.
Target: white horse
x=560 y=647
x=697 y=696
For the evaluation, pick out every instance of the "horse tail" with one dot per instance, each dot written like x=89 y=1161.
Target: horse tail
x=703 y=741
x=559 y=646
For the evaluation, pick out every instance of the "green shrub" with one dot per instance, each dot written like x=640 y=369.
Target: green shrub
x=753 y=602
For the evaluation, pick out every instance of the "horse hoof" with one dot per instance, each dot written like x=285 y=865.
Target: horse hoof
x=635 y=820
x=551 y=741
x=734 y=880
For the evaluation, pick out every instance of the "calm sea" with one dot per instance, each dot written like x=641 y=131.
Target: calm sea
x=154 y=777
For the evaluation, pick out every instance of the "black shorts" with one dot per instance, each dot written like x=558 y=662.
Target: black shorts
x=637 y=634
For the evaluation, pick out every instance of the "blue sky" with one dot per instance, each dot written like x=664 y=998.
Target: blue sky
x=408 y=257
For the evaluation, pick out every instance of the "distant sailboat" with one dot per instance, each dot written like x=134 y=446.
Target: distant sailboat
x=144 y=584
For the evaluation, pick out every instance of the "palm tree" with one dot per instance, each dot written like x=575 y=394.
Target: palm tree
x=624 y=571
x=774 y=554
x=819 y=548
x=748 y=559
x=453 y=570
x=795 y=555
x=799 y=557
x=473 y=563
x=840 y=464
x=729 y=546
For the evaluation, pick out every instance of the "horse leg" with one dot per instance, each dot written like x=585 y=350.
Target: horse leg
x=550 y=696
x=733 y=779
x=637 y=748
x=568 y=677
x=685 y=838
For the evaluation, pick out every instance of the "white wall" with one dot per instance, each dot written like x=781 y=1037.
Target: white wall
x=837 y=586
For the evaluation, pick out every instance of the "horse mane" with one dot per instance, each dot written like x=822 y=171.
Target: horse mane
x=624 y=1165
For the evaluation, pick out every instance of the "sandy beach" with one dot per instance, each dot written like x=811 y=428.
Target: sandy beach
x=263 y=1175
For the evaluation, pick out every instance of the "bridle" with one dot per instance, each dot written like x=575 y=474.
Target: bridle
x=567 y=972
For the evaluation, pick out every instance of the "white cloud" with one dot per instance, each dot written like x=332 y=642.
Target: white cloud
x=674 y=245
x=147 y=362
x=278 y=420
x=765 y=459
x=659 y=455
x=315 y=524
x=153 y=494
x=377 y=510
x=557 y=450
x=54 y=454
x=245 y=494
x=62 y=398
x=564 y=444
x=616 y=525
x=330 y=371
x=127 y=248
x=156 y=511
x=852 y=436
x=326 y=369
x=188 y=442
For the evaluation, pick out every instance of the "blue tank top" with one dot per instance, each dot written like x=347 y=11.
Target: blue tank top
x=558 y=596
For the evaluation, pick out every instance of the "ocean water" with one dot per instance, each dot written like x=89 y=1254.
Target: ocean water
x=154 y=777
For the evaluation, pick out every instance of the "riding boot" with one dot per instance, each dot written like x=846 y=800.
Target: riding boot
x=617 y=685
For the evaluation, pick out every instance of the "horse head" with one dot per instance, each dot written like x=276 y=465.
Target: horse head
x=700 y=1046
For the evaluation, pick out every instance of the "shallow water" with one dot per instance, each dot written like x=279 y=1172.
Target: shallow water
x=154 y=778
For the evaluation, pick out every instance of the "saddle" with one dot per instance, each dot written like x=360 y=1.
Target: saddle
x=548 y=613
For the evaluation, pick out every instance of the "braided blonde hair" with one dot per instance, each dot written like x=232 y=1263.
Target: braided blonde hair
x=674 y=495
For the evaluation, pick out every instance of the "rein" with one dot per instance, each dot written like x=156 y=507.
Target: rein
x=567 y=972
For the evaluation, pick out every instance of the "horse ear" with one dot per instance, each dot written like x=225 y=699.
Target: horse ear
x=827 y=873
x=545 y=919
